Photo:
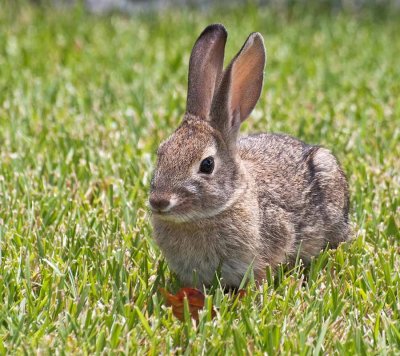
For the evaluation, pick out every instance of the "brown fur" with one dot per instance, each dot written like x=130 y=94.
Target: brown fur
x=269 y=197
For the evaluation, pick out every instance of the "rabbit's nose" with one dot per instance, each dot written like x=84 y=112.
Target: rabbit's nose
x=160 y=202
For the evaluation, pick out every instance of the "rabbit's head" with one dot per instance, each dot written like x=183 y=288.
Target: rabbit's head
x=199 y=173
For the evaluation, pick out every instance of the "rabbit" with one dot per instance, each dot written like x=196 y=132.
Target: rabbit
x=224 y=203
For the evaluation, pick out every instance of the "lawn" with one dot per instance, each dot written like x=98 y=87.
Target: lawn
x=84 y=102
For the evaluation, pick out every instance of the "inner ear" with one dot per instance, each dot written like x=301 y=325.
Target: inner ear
x=240 y=87
x=247 y=76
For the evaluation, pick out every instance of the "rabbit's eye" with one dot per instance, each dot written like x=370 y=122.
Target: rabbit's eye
x=207 y=165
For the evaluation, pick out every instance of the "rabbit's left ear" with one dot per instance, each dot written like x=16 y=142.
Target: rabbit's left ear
x=240 y=87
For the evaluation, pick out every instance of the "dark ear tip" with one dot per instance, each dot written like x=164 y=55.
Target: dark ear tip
x=217 y=29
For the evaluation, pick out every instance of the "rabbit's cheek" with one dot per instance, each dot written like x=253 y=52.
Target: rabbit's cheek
x=191 y=189
x=190 y=204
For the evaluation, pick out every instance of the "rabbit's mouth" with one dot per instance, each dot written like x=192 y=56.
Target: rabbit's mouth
x=177 y=218
x=161 y=212
x=173 y=214
x=185 y=214
x=161 y=203
x=178 y=212
x=184 y=210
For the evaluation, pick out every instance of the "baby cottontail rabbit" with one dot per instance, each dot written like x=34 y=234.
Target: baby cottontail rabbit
x=225 y=203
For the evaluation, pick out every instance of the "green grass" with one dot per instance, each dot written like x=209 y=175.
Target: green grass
x=84 y=102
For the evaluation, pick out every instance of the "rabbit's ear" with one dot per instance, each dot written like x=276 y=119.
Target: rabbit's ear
x=205 y=67
x=240 y=86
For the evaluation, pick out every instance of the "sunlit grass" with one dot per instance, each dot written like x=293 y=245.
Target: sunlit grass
x=84 y=102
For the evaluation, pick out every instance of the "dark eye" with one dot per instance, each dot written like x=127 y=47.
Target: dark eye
x=207 y=165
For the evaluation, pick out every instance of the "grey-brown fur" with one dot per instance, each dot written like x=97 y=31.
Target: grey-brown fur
x=269 y=198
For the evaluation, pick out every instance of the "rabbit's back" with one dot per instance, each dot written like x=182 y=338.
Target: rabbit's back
x=302 y=194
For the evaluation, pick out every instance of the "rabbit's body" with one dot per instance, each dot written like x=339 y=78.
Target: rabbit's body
x=302 y=195
x=278 y=214
x=225 y=203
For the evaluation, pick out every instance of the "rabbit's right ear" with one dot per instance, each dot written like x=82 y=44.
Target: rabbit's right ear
x=240 y=87
x=205 y=68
